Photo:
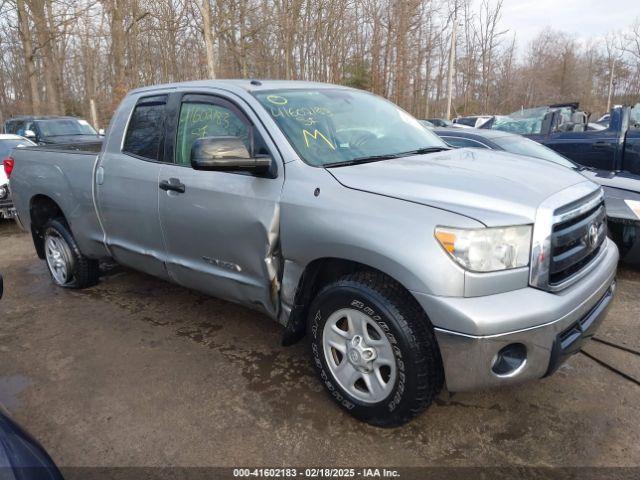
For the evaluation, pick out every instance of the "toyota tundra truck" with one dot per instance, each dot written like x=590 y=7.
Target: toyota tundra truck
x=407 y=265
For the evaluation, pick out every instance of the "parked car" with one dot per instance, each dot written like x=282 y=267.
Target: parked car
x=617 y=210
x=612 y=155
x=21 y=456
x=8 y=143
x=472 y=121
x=503 y=141
x=439 y=122
x=407 y=264
x=52 y=129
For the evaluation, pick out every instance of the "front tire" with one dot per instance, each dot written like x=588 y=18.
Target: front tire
x=68 y=267
x=374 y=349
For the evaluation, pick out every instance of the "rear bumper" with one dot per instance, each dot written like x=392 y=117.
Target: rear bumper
x=7 y=209
x=565 y=320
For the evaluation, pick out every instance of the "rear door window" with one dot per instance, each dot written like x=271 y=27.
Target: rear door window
x=145 y=134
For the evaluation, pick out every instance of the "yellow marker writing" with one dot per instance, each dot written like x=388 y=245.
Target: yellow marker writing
x=317 y=133
x=277 y=100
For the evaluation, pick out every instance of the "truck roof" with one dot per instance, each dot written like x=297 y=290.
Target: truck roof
x=248 y=85
x=40 y=117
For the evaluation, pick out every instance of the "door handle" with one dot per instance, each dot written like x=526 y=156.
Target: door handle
x=173 y=184
x=601 y=144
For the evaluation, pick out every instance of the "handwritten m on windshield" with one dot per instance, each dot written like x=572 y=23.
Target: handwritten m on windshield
x=316 y=133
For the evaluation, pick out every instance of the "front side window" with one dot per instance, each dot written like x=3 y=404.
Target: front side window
x=146 y=128
x=332 y=126
x=200 y=120
x=23 y=127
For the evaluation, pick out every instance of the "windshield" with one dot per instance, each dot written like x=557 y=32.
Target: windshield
x=524 y=146
x=7 y=145
x=523 y=122
x=65 y=126
x=333 y=126
x=527 y=121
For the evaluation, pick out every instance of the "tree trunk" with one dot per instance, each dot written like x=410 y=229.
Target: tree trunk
x=29 y=58
x=45 y=37
x=205 y=11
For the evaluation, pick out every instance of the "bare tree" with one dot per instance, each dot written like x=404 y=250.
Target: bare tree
x=433 y=57
x=207 y=34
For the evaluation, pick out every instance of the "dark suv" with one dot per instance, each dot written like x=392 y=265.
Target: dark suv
x=52 y=129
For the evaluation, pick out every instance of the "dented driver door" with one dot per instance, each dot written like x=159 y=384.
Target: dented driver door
x=221 y=229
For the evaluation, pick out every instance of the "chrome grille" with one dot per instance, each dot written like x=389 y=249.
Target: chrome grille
x=568 y=236
x=575 y=241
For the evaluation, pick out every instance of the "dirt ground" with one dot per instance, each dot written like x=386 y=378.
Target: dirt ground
x=139 y=372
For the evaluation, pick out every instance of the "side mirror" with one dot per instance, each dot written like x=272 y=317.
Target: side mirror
x=30 y=134
x=226 y=154
x=101 y=131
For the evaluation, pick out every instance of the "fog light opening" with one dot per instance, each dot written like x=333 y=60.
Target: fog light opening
x=509 y=360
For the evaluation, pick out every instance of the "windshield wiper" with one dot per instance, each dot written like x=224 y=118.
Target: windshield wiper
x=361 y=160
x=422 y=151
x=376 y=158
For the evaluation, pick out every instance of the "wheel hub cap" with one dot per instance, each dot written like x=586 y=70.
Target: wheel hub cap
x=359 y=355
x=58 y=259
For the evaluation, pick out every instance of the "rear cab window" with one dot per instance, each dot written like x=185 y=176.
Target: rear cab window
x=145 y=133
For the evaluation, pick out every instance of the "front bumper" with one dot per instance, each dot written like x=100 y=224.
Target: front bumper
x=469 y=336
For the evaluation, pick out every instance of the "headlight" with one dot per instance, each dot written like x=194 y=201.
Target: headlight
x=487 y=249
x=3 y=192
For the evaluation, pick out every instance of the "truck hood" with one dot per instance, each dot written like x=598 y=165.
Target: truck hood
x=495 y=188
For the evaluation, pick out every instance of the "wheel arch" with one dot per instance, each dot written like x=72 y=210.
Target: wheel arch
x=310 y=280
x=42 y=208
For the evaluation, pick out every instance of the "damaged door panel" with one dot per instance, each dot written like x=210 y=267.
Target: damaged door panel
x=221 y=228
x=231 y=256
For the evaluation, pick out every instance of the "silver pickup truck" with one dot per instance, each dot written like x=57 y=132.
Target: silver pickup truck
x=407 y=265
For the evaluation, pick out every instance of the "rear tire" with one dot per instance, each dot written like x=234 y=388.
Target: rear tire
x=68 y=267
x=385 y=371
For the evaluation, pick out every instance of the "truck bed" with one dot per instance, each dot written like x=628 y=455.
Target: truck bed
x=62 y=175
x=83 y=147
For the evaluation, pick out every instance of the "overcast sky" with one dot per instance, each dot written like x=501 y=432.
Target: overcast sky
x=583 y=18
